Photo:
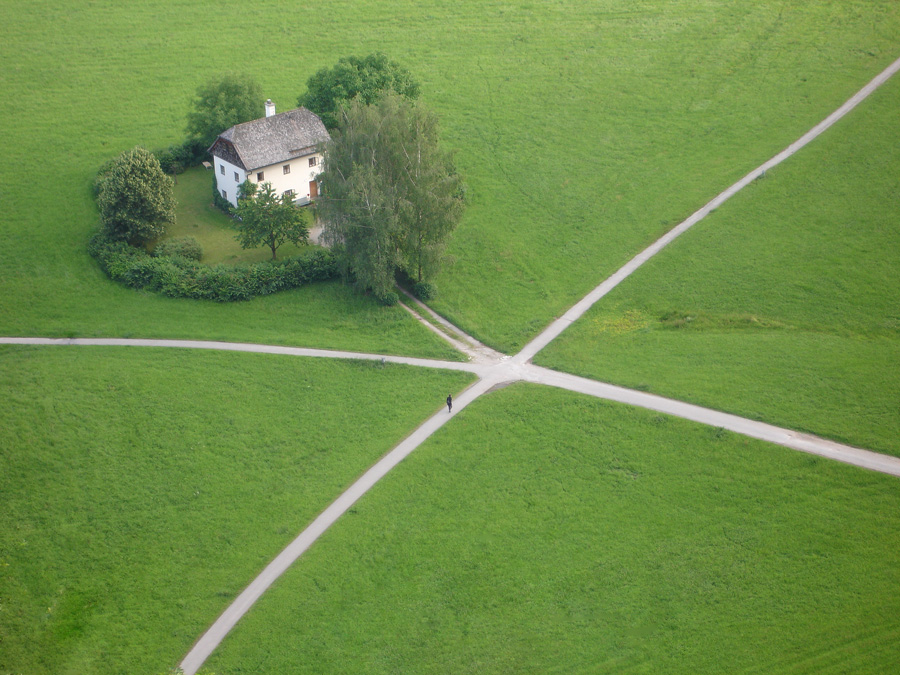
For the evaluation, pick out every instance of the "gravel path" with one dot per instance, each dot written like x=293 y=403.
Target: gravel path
x=554 y=329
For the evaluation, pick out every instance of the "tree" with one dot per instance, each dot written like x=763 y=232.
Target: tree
x=367 y=78
x=390 y=196
x=135 y=198
x=266 y=218
x=221 y=104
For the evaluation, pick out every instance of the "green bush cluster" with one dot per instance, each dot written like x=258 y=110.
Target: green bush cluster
x=177 y=158
x=425 y=290
x=180 y=277
x=186 y=247
x=218 y=200
x=387 y=298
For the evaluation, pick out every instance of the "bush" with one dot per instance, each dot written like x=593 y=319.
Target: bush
x=181 y=277
x=102 y=173
x=218 y=200
x=186 y=247
x=388 y=298
x=135 y=198
x=424 y=290
x=176 y=158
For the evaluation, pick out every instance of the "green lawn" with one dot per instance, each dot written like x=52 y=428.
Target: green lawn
x=584 y=131
x=141 y=490
x=545 y=531
x=144 y=489
x=784 y=305
x=197 y=217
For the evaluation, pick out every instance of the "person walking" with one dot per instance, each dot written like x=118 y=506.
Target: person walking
x=449 y=403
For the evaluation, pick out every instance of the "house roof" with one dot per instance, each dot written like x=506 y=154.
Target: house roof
x=271 y=140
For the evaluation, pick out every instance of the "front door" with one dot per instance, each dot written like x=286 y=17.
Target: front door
x=313 y=189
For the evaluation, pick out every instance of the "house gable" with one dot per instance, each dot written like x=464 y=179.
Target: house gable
x=271 y=140
x=282 y=150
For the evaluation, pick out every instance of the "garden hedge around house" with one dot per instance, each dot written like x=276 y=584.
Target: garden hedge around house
x=180 y=277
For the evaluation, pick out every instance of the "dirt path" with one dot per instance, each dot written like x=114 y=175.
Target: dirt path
x=554 y=329
x=503 y=370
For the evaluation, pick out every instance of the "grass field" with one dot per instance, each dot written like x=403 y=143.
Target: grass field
x=584 y=131
x=197 y=217
x=784 y=305
x=547 y=532
x=146 y=488
x=140 y=491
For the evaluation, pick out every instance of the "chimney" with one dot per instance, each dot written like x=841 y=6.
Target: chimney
x=270 y=108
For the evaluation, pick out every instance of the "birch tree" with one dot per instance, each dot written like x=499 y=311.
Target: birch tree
x=390 y=195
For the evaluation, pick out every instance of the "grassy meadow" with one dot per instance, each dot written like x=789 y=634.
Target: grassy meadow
x=783 y=305
x=545 y=531
x=584 y=131
x=142 y=490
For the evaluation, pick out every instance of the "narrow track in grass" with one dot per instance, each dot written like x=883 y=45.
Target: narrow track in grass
x=493 y=370
x=578 y=309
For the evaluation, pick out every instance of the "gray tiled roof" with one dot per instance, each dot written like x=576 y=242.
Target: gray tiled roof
x=270 y=140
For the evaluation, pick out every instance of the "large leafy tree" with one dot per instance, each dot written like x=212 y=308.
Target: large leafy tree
x=135 y=198
x=265 y=218
x=221 y=104
x=390 y=195
x=367 y=78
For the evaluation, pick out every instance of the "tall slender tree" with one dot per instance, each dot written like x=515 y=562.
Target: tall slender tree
x=390 y=195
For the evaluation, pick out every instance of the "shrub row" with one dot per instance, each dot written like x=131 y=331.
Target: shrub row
x=180 y=277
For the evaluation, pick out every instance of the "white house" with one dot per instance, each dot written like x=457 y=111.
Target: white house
x=278 y=149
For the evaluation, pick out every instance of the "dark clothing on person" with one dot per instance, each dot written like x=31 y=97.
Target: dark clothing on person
x=449 y=403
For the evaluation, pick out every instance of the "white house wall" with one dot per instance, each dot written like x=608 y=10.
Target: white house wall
x=225 y=179
x=301 y=173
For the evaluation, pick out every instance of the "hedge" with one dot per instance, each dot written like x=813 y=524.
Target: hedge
x=180 y=277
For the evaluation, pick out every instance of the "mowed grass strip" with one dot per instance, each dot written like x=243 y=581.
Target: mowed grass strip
x=584 y=130
x=784 y=305
x=141 y=490
x=544 y=531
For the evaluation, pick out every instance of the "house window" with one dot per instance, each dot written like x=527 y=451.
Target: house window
x=312 y=161
x=222 y=169
x=286 y=168
x=224 y=194
x=288 y=193
x=236 y=178
x=260 y=176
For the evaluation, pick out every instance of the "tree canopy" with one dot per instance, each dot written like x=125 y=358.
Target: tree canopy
x=367 y=78
x=221 y=104
x=135 y=198
x=390 y=195
x=265 y=218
